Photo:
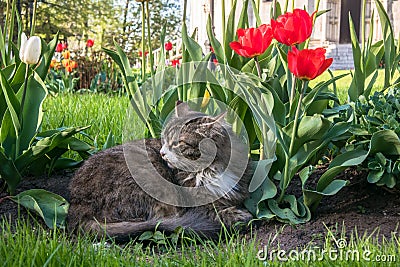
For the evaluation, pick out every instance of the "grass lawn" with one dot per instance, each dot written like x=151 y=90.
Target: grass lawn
x=35 y=246
x=38 y=247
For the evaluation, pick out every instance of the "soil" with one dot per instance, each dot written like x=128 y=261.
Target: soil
x=360 y=205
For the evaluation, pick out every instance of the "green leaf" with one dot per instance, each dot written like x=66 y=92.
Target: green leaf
x=230 y=33
x=357 y=86
x=194 y=49
x=51 y=207
x=13 y=104
x=218 y=49
x=33 y=112
x=261 y=174
x=385 y=141
x=110 y=142
x=287 y=214
x=47 y=55
x=9 y=172
x=388 y=42
x=44 y=146
x=9 y=71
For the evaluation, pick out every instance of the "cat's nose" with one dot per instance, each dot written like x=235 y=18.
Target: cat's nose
x=162 y=152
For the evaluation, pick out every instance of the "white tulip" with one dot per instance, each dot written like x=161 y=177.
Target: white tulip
x=30 y=49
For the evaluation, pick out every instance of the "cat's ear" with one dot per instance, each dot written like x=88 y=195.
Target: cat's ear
x=181 y=109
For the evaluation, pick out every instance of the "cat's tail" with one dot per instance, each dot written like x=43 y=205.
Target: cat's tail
x=191 y=222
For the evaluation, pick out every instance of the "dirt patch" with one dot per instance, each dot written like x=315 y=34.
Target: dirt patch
x=359 y=205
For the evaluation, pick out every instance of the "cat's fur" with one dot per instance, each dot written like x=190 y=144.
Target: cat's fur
x=106 y=199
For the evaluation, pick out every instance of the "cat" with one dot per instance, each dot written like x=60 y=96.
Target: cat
x=115 y=194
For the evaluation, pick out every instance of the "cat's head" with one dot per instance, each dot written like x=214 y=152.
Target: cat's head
x=191 y=140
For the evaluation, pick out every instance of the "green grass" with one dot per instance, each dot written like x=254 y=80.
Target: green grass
x=343 y=84
x=102 y=112
x=36 y=246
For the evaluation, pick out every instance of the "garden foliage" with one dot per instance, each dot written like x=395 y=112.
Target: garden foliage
x=290 y=125
x=24 y=148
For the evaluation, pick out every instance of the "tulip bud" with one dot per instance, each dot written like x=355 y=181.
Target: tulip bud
x=30 y=49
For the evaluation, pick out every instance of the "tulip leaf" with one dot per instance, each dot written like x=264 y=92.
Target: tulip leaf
x=194 y=49
x=243 y=18
x=9 y=172
x=230 y=33
x=357 y=86
x=289 y=214
x=51 y=207
x=256 y=13
x=9 y=71
x=47 y=55
x=388 y=41
x=13 y=104
x=216 y=45
x=45 y=145
x=35 y=95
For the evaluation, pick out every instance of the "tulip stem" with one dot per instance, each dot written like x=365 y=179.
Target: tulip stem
x=149 y=38
x=292 y=91
x=21 y=110
x=259 y=75
x=143 y=43
x=286 y=174
x=33 y=22
x=258 y=67
x=274 y=9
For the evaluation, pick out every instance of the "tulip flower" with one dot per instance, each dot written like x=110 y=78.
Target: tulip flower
x=307 y=64
x=69 y=68
x=175 y=62
x=65 y=62
x=59 y=47
x=252 y=42
x=64 y=46
x=168 y=46
x=73 y=64
x=89 y=43
x=53 y=63
x=66 y=54
x=293 y=28
x=30 y=49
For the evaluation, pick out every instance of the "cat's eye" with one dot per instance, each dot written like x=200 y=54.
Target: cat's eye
x=175 y=144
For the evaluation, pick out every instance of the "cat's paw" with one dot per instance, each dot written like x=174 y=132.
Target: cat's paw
x=233 y=215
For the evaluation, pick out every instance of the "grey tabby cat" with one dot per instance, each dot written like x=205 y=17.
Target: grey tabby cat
x=110 y=197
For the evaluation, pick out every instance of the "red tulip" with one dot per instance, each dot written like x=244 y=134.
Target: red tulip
x=175 y=62
x=215 y=61
x=212 y=49
x=89 y=43
x=252 y=42
x=64 y=46
x=168 y=46
x=307 y=64
x=59 y=47
x=293 y=28
x=145 y=53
